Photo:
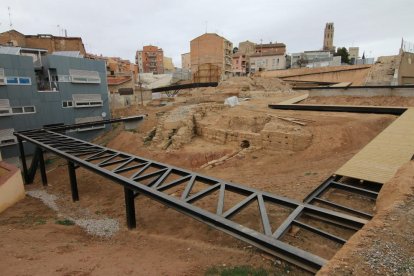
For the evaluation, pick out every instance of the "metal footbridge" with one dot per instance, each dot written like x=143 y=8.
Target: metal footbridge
x=141 y=176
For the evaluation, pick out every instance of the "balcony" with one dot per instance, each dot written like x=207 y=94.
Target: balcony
x=149 y=54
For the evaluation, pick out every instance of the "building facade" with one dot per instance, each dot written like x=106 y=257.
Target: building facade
x=121 y=73
x=150 y=60
x=55 y=90
x=267 y=62
x=353 y=54
x=168 y=65
x=186 y=61
x=313 y=59
x=43 y=41
x=271 y=56
x=239 y=65
x=247 y=48
x=328 y=37
x=210 y=52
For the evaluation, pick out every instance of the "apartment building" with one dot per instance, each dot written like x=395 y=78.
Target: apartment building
x=241 y=59
x=42 y=89
x=353 y=54
x=313 y=59
x=271 y=56
x=211 y=58
x=48 y=42
x=247 y=48
x=168 y=65
x=239 y=66
x=150 y=60
x=186 y=61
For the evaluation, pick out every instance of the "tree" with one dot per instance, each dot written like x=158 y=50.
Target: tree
x=235 y=50
x=343 y=53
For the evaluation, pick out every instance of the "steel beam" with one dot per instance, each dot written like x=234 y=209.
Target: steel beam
x=341 y=108
x=130 y=208
x=73 y=181
x=23 y=160
x=42 y=167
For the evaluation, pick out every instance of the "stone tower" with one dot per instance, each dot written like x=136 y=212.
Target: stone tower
x=328 y=37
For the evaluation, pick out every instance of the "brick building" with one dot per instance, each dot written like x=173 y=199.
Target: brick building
x=213 y=50
x=150 y=60
x=42 y=41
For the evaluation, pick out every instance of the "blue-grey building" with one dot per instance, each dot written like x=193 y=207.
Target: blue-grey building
x=38 y=89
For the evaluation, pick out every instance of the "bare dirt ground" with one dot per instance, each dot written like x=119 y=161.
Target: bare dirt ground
x=34 y=241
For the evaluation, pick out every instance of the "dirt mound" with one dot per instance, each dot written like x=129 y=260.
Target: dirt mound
x=382 y=72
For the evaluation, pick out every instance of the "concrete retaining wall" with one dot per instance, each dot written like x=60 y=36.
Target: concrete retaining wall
x=11 y=186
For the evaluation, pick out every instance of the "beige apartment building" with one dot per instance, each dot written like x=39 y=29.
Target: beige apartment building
x=211 y=58
x=186 y=61
x=271 y=56
x=247 y=48
x=168 y=65
x=353 y=54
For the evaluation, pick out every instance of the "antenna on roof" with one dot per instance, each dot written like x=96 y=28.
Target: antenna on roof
x=206 y=25
x=10 y=21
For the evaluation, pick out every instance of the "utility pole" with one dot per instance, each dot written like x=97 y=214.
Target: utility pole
x=10 y=21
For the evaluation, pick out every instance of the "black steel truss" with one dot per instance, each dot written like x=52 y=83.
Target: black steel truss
x=184 y=86
x=179 y=189
x=366 y=190
x=341 y=108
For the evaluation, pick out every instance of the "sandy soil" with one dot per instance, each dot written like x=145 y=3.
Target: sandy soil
x=166 y=242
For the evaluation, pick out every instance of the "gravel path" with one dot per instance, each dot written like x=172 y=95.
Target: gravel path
x=104 y=228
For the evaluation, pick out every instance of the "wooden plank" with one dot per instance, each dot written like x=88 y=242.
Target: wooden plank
x=380 y=159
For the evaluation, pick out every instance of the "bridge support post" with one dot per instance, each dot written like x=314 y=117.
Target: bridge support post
x=73 y=182
x=42 y=167
x=23 y=161
x=130 y=208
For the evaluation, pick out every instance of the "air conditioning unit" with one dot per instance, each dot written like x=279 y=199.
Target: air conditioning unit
x=2 y=81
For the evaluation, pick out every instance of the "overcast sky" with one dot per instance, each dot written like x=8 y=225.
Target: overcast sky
x=119 y=28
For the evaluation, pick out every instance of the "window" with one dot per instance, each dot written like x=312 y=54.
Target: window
x=87 y=100
x=88 y=120
x=25 y=81
x=29 y=109
x=2 y=78
x=67 y=104
x=16 y=110
x=63 y=78
x=7 y=138
x=5 y=109
x=84 y=76
x=12 y=80
x=18 y=80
